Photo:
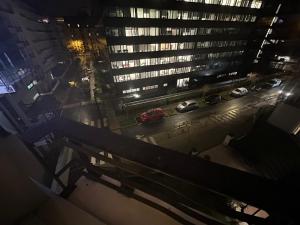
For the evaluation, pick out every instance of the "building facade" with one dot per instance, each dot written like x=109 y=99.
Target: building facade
x=31 y=49
x=160 y=46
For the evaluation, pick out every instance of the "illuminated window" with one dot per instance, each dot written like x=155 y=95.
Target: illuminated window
x=131 y=90
x=184 y=82
x=150 y=87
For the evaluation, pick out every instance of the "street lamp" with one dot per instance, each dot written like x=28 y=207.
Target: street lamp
x=136 y=95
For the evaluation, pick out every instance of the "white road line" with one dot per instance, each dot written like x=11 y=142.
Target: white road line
x=105 y=123
x=233 y=113
x=152 y=140
x=225 y=117
x=144 y=139
x=99 y=123
x=93 y=160
x=101 y=162
x=231 y=116
x=219 y=117
x=215 y=119
x=92 y=123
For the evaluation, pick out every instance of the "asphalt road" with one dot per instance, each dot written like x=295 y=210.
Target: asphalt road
x=88 y=113
x=253 y=99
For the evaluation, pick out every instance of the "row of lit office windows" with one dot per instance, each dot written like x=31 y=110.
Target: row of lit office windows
x=150 y=87
x=167 y=31
x=172 y=59
x=150 y=62
x=173 y=46
x=255 y=4
x=150 y=74
x=178 y=15
x=145 y=88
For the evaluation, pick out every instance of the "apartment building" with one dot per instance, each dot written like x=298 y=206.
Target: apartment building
x=31 y=48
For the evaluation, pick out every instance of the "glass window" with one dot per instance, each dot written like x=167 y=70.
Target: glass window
x=153 y=13
x=132 y=12
x=152 y=31
x=146 y=13
x=140 y=13
x=164 y=14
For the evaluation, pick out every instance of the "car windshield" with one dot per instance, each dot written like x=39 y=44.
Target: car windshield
x=238 y=90
x=184 y=103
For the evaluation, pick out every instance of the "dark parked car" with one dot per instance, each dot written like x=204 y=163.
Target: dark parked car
x=213 y=99
x=151 y=115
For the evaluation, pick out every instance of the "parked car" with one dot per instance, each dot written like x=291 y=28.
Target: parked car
x=274 y=82
x=187 y=106
x=151 y=115
x=213 y=99
x=239 y=92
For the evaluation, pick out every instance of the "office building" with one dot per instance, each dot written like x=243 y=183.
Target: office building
x=157 y=47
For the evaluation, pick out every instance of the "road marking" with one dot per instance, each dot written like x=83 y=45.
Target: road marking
x=152 y=140
x=98 y=123
x=149 y=139
x=144 y=139
x=139 y=136
x=233 y=113
x=231 y=116
x=101 y=162
x=226 y=117
x=93 y=160
x=215 y=119
x=105 y=123
x=219 y=117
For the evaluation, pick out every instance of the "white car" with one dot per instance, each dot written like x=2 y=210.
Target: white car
x=187 y=106
x=274 y=82
x=238 y=92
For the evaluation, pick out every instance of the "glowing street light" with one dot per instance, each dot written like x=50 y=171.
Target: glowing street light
x=76 y=45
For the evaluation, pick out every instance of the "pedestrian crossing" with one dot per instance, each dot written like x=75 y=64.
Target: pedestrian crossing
x=228 y=116
x=150 y=139
x=96 y=123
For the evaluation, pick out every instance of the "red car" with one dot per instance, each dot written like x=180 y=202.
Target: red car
x=151 y=115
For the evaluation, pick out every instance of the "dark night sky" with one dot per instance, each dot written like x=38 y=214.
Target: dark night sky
x=66 y=7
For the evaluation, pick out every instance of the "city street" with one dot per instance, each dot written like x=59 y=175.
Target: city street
x=76 y=101
x=205 y=127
